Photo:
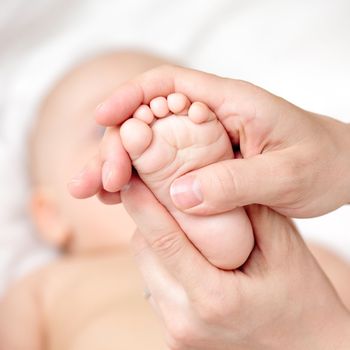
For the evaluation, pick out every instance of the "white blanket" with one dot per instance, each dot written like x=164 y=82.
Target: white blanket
x=297 y=49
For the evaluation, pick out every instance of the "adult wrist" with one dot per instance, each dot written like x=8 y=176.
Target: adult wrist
x=348 y=157
x=341 y=138
x=342 y=338
x=336 y=334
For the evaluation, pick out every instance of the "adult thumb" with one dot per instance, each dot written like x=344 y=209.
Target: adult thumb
x=262 y=179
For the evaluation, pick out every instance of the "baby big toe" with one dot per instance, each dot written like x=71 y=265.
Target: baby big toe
x=200 y=113
x=136 y=136
x=159 y=107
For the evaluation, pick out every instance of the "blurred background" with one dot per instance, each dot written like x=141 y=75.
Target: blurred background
x=297 y=49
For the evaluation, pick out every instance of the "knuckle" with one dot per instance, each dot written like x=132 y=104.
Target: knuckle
x=166 y=67
x=227 y=183
x=168 y=244
x=181 y=333
x=163 y=68
x=216 y=305
x=292 y=173
x=216 y=311
x=242 y=84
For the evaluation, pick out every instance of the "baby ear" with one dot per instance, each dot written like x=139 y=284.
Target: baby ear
x=47 y=217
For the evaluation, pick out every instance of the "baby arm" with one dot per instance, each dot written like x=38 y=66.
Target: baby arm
x=20 y=321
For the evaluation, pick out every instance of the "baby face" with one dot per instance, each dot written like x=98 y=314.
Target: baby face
x=65 y=137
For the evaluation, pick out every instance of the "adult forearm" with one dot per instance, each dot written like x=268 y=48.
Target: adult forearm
x=342 y=341
x=348 y=150
x=337 y=172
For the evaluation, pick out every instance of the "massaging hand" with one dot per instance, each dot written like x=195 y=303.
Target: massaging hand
x=280 y=299
x=296 y=162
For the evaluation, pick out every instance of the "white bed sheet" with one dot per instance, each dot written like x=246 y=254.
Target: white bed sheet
x=297 y=49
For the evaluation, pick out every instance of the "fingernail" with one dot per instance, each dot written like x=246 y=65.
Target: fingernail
x=78 y=177
x=108 y=170
x=186 y=193
x=102 y=108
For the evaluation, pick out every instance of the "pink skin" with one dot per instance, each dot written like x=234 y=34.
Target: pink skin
x=159 y=107
x=165 y=148
x=178 y=103
x=145 y=114
x=279 y=299
x=141 y=91
x=260 y=124
x=234 y=102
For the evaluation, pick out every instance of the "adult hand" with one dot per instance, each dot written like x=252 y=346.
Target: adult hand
x=296 y=162
x=280 y=299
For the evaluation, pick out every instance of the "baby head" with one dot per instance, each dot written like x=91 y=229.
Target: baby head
x=64 y=137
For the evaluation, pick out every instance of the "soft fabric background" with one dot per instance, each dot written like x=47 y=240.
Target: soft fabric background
x=297 y=49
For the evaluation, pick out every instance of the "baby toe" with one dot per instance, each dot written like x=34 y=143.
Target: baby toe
x=159 y=107
x=136 y=136
x=200 y=113
x=144 y=113
x=178 y=103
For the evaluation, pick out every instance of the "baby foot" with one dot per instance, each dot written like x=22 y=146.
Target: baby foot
x=166 y=140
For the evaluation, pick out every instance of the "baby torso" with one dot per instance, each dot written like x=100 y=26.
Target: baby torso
x=96 y=302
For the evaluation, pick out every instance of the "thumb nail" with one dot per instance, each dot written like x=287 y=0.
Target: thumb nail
x=108 y=174
x=78 y=177
x=185 y=192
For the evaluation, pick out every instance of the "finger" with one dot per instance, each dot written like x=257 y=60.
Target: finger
x=116 y=169
x=88 y=182
x=276 y=237
x=162 y=287
x=168 y=298
x=215 y=91
x=109 y=198
x=223 y=186
x=165 y=238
